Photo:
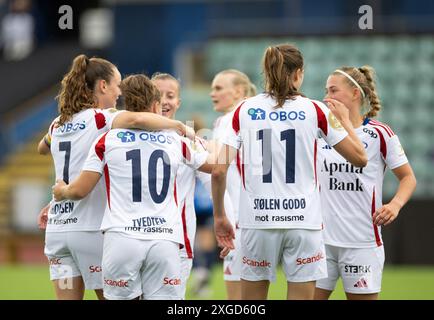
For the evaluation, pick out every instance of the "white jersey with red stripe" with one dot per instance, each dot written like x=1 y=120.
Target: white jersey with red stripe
x=70 y=145
x=233 y=180
x=350 y=195
x=186 y=182
x=140 y=169
x=280 y=188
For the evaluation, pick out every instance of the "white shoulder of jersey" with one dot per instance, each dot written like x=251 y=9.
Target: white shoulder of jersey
x=390 y=146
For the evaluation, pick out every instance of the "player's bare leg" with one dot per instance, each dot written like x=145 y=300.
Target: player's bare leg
x=301 y=290
x=321 y=294
x=254 y=290
x=69 y=288
x=353 y=296
x=233 y=290
x=100 y=294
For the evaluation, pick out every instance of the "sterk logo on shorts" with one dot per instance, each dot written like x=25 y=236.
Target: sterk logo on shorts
x=127 y=136
x=256 y=114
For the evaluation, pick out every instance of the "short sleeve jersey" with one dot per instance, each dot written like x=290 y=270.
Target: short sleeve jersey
x=70 y=145
x=140 y=169
x=350 y=195
x=185 y=186
x=233 y=179
x=279 y=174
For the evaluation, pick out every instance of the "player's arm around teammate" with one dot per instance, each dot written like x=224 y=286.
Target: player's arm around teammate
x=229 y=87
x=90 y=87
x=109 y=151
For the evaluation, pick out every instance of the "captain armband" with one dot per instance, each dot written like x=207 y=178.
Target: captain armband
x=47 y=140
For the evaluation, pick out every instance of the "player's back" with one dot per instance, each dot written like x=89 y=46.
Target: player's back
x=279 y=161
x=140 y=171
x=70 y=145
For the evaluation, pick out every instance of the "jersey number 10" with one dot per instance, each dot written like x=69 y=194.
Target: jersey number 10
x=134 y=156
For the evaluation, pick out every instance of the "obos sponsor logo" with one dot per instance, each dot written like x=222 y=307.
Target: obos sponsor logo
x=256 y=114
x=69 y=127
x=127 y=136
x=94 y=269
x=255 y=263
x=171 y=282
x=287 y=115
x=315 y=258
x=260 y=114
x=160 y=138
x=116 y=283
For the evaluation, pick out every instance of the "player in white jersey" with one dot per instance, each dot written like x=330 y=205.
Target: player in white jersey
x=90 y=86
x=280 y=210
x=142 y=224
x=228 y=88
x=169 y=88
x=352 y=197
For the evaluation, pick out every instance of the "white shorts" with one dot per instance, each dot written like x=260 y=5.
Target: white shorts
x=134 y=267
x=75 y=253
x=232 y=262
x=361 y=269
x=301 y=252
x=186 y=265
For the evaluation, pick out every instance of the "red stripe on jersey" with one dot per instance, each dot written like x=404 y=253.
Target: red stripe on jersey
x=100 y=147
x=243 y=173
x=377 y=235
x=315 y=147
x=383 y=146
x=239 y=162
x=175 y=194
x=236 y=119
x=202 y=142
x=99 y=120
x=107 y=184
x=52 y=127
x=186 y=151
x=322 y=121
x=186 y=239
x=382 y=125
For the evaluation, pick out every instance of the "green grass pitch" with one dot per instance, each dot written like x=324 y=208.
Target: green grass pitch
x=28 y=282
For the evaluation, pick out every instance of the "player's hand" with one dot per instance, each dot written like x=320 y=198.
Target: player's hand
x=386 y=214
x=225 y=251
x=184 y=130
x=189 y=133
x=58 y=190
x=224 y=232
x=339 y=110
x=43 y=217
